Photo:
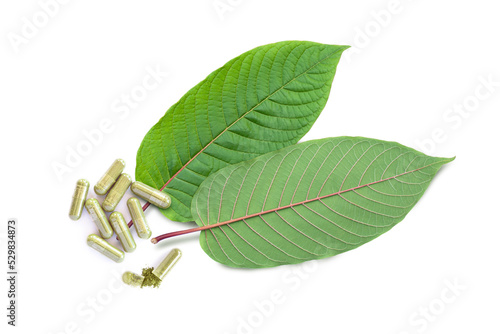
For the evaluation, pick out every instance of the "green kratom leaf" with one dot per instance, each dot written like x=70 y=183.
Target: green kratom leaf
x=264 y=100
x=309 y=201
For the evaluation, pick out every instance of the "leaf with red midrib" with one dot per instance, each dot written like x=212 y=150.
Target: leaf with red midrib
x=309 y=201
x=261 y=101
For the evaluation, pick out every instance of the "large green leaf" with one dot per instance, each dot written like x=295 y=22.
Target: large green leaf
x=309 y=201
x=261 y=101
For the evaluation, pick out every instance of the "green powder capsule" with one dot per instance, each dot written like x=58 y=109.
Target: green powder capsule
x=168 y=262
x=109 y=178
x=152 y=195
x=141 y=226
x=132 y=279
x=104 y=247
x=99 y=217
x=122 y=231
x=79 y=196
x=154 y=276
x=116 y=193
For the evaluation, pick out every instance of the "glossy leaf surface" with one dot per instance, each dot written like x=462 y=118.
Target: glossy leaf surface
x=261 y=101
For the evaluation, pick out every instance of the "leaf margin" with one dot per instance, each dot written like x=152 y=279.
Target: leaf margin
x=211 y=178
x=150 y=180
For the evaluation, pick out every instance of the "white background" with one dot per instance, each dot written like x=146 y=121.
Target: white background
x=398 y=82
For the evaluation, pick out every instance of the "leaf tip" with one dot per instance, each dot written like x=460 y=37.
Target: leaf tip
x=448 y=160
x=341 y=48
x=337 y=48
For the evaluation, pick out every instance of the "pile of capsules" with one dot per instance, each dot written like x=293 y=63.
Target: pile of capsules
x=114 y=183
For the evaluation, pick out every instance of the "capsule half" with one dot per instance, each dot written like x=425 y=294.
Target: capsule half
x=132 y=279
x=168 y=262
x=152 y=195
x=79 y=196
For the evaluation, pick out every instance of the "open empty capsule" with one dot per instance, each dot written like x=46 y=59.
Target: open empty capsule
x=150 y=194
x=79 y=196
x=109 y=178
x=132 y=279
